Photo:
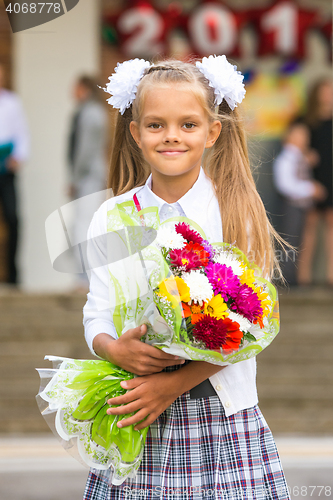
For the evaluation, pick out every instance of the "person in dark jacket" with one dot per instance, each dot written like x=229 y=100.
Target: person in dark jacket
x=319 y=119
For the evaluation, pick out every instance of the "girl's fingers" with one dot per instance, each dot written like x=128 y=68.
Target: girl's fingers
x=146 y=423
x=130 y=395
x=132 y=383
x=122 y=410
x=154 y=352
x=134 y=419
x=122 y=400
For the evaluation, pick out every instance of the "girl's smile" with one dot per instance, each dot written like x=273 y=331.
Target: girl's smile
x=173 y=132
x=172 y=152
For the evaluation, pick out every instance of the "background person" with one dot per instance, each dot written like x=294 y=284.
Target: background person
x=292 y=173
x=14 y=150
x=86 y=158
x=319 y=118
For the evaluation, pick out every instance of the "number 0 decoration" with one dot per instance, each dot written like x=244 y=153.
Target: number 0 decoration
x=142 y=29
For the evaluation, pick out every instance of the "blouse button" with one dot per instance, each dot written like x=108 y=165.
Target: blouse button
x=227 y=404
x=218 y=387
x=170 y=209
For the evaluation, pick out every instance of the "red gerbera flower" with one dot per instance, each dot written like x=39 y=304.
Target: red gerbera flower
x=234 y=337
x=217 y=333
x=188 y=233
x=190 y=257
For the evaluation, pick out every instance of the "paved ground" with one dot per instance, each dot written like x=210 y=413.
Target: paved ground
x=37 y=468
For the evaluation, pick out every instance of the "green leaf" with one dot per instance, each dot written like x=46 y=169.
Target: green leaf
x=105 y=433
x=249 y=337
x=95 y=397
x=127 y=440
x=102 y=427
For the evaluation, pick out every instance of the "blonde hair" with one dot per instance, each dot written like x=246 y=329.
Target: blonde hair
x=244 y=219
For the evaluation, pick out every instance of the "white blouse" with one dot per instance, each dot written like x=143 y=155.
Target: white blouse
x=291 y=174
x=13 y=125
x=235 y=384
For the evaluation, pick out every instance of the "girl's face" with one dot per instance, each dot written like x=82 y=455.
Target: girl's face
x=174 y=131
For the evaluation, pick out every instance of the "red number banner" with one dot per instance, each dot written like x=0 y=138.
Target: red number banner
x=142 y=30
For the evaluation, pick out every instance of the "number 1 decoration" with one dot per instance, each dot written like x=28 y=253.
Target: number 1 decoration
x=142 y=29
x=282 y=27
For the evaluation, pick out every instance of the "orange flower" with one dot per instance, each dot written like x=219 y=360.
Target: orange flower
x=260 y=321
x=194 y=311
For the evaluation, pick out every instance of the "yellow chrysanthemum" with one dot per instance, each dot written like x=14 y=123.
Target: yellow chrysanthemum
x=175 y=290
x=216 y=307
x=248 y=278
x=264 y=299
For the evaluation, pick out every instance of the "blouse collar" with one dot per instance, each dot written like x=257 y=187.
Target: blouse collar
x=199 y=203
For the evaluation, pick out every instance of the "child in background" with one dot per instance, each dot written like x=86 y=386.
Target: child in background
x=207 y=436
x=319 y=119
x=293 y=180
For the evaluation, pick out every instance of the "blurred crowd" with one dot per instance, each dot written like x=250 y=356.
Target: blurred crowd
x=302 y=174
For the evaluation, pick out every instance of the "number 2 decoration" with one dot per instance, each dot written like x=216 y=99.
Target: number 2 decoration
x=140 y=29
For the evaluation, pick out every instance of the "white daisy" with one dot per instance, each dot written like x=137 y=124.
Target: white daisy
x=256 y=331
x=200 y=288
x=168 y=238
x=244 y=324
x=230 y=260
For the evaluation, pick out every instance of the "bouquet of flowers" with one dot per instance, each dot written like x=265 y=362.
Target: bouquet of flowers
x=226 y=306
x=199 y=300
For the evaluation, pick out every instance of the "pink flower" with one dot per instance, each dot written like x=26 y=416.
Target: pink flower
x=223 y=280
x=247 y=303
x=188 y=233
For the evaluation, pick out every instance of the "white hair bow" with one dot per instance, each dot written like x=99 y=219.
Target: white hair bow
x=226 y=81
x=124 y=82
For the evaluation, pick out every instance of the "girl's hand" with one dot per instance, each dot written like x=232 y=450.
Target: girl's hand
x=149 y=396
x=131 y=354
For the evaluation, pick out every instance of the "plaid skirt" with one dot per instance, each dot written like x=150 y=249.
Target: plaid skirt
x=193 y=451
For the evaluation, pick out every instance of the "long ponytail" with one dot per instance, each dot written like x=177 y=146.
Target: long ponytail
x=128 y=168
x=243 y=214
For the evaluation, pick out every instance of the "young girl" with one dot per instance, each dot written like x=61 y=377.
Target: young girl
x=207 y=436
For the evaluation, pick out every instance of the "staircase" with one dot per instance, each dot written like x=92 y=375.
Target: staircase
x=295 y=376
x=32 y=326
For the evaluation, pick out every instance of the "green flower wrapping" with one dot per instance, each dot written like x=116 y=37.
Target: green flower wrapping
x=73 y=400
